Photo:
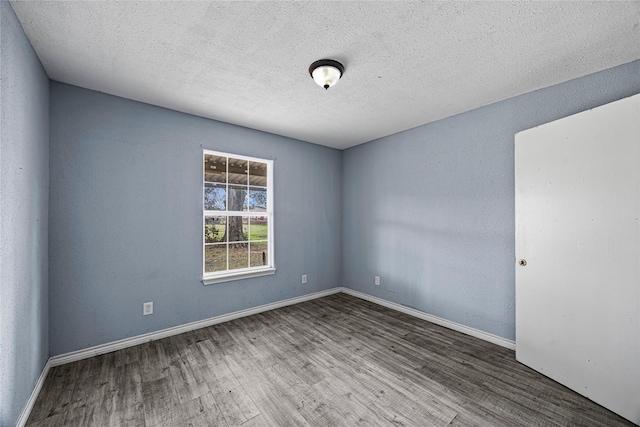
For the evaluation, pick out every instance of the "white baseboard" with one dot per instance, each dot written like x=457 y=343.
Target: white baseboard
x=503 y=342
x=26 y=411
x=164 y=333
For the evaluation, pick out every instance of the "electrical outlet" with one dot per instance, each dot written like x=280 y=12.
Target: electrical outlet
x=376 y=280
x=304 y=279
x=147 y=308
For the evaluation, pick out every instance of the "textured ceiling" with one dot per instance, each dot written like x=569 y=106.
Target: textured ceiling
x=407 y=63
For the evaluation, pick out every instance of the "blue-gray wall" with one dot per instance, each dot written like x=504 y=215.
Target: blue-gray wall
x=431 y=210
x=24 y=197
x=126 y=218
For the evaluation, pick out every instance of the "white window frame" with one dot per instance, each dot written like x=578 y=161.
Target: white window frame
x=244 y=273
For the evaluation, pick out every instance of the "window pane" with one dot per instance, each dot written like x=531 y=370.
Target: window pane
x=215 y=168
x=258 y=174
x=259 y=228
x=238 y=256
x=237 y=171
x=259 y=254
x=238 y=198
x=237 y=229
x=215 y=258
x=257 y=199
x=215 y=197
x=215 y=229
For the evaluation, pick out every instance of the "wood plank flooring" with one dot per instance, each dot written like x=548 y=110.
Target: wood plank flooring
x=335 y=361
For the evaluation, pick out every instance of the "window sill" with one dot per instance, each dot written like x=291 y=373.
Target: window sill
x=211 y=280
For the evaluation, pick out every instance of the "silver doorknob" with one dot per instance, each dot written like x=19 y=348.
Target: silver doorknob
x=522 y=262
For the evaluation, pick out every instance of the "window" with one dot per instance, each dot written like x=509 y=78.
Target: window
x=237 y=217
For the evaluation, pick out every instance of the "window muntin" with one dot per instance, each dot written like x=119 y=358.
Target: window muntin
x=237 y=215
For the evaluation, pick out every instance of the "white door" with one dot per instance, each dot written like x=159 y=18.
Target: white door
x=578 y=230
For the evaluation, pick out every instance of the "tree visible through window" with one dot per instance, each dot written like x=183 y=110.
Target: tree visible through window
x=237 y=214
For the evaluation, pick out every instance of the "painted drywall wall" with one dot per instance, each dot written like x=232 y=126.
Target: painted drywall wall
x=126 y=218
x=431 y=210
x=24 y=195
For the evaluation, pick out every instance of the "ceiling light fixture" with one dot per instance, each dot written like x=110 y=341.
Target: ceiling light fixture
x=326 y=72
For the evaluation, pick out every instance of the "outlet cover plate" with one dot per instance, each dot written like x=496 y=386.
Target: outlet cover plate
x=304 y=278
x=147 y=308
x=376 y=280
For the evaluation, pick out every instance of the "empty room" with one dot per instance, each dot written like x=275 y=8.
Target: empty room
x=319 y=213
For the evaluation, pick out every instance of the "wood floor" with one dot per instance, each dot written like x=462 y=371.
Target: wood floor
x=335 y=361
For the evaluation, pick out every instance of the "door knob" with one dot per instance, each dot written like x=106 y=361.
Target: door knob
x=522 y=262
